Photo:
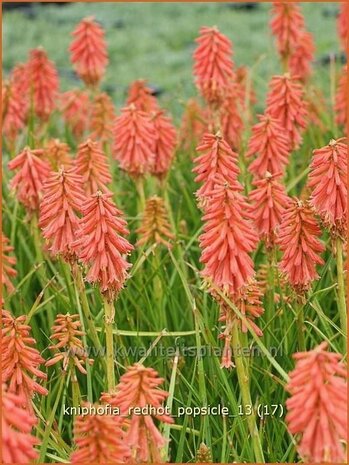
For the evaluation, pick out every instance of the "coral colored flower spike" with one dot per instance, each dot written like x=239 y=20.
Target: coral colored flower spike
x=75 y=107
x=141 y=96
x=341 y=106
x=301 y=59
x=102 y=117
x=165 y=144
x=89 y=51
x=8 y=262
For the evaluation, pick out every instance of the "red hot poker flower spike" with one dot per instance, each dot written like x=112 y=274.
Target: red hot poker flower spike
x=101 y=246
x=165 y=144
x=62 y=199
x=343 y=24
x=57 y=154
x=75 y=106
x=8 y=262
x=231 y=120
x=92 y=164
x=141 y=96
x=328 y=181
x=193 y=126
x=17 y=423
x=102 y=118
x=13 y=111
x=271 y=145
x=213 y=65
x=134 y=141
x=32 y=173
x=341 y=106
x=317 y=408
x=299 y=240
x=89 y=51
x=303 y=55
x=285 y=102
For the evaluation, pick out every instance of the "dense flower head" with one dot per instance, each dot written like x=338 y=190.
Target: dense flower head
x=100 y=245
x=14 y=111
x=57 y=153
x=33 y=170
x=19 y=76
x=285 y=102
x=317 y=408
x=62 y=198
x=134 y=141
x=99 y=438
x=17 y=423
x=215 y=157
x=88 y=51
x=20 y=360
x=303 y=55
x=287 y=24
x=299 y=241
x=75 y=107
x=8 y=262
x=343 y=24
x=165 y=144
x=141 y=96
x=92 y=164
x=231 y=119
x=328 y=180
x=268 y=202
x=193 y=125
x=341 y=106
x=139 y=387
x=43 y=79
x=102 y=117
x=228 y=237
x=213 y=65
x=69 y=348
x=270 y=145
x=155 y=227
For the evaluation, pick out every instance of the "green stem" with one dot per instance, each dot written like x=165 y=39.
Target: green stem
x=75 y=387
x=108 y=327
x=244 y=383
x=270 y=293
x=141 y=195
x=300 y=327
x=341 y=287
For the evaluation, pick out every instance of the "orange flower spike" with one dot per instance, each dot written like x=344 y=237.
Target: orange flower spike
x=20 y=360
x=165 y=144
x=67 y=332
x=231 y=120
x=228 y=237
x=299 y=241
x=343 y=24
x=13 y=116
x=134 y=141
x=268 y=202
x=99 y=438
x=8 y=264
x=328 y=181
x=75 y=107
x=215 y=157
x=302 y=57
x=155 y=227
x=43 y=78
x=341 y=107
x=63 y=196
x=287 y=24
x=193 y=126
x=213 y=64
x=101 y=246
x=141 y=96
x=285 y=102
x=102 y=117
x=33 y=170
x=92 y=164
x=57 y=153
x=317 y=408
x=88 y=51
x=17 y=424
x=271 y=145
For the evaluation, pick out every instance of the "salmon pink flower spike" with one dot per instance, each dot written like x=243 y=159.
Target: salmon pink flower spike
x=92 y=164
x=228 y=238
x=57 y=154
x=102 y=117
x=165 y=144
x=341 y=107
x=299 y=241
x=101 y=246
x=8 y=263
x=302 y=57
x=20 y=360
x=343 y=24
x=62 y=198
x=17 y=424
x=268 y=202
x=231 y=120
x=134 y=141
x=141 y=96
x=215 y=157
x=317 y=408
x=287 y=24
x=33 y=170
x=213 y=65
x=14 y=112
x=99 y=438
x=271 y=145
x=75 y=107
x=328 y=181
x=43 y=78
x=285 y=102
x=88 y=51
x=139 y=387
x=193 y=126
